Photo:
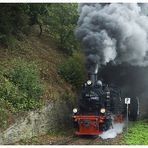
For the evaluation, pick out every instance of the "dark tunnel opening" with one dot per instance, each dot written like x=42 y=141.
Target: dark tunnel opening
x=132 y=80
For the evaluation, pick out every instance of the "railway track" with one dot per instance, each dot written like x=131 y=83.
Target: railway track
x=65 y=141
x=77 y=140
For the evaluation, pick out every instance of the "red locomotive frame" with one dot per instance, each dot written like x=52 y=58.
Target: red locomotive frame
x=94 y=123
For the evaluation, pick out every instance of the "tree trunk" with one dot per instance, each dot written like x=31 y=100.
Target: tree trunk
x=41 y=30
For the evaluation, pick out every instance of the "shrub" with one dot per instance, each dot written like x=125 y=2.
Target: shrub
x=26 y=77
x=8 y=91
x=61 y=25
x=13 y=22
x=8 y=41
x=73 y=70
x=5 y=109
x=12 y=95
x=3 y=117
x=21 y=86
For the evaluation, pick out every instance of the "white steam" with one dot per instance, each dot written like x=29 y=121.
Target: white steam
x=113 y=132
x=117 y=32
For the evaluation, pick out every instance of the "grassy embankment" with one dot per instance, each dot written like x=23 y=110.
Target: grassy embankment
x=137 y=133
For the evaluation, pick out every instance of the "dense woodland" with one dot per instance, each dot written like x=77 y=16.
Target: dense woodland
x=58 y=19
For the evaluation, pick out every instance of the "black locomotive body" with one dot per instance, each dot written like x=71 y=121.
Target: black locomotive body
x=100 y=98
x=97 y=105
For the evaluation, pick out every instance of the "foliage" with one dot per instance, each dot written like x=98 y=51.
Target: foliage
x=26 y=77
x=35 y=11
x=8 y=91
x=8 y=94
x=11 y=94
x=68 y=97
x=38 y=14
x=59 y=19
x=8 y=40
x=137 y=134
x=13 y=21
x=62 y=22
x=20 y=86
x=3 y=117
x=5 y=107
x=73 y=70
x=16 y=19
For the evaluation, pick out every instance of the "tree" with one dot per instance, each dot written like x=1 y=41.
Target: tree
x=38 y=15
x=61 y=25
x=73 y=69
x=13 y=20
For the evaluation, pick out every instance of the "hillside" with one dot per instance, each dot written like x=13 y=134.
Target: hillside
x=67 y=67
x=39 y=50
x=42 y=52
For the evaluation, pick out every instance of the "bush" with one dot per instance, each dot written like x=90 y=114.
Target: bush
x=3 y=118
x=26 y=77
x=8 y=91
x=21 y=86
x=18 y=99
x=73 y=70
x=61 y=25
x=5 y=109
x=13 y=22
x=8 y=41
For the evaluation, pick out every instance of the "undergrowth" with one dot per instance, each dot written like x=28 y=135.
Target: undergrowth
x=137 y=133
x=20 y=89
x=73 y=70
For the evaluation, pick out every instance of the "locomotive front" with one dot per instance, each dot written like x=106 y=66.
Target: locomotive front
x=96 y=106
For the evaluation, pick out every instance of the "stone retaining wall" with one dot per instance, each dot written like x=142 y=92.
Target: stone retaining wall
x=37 y=123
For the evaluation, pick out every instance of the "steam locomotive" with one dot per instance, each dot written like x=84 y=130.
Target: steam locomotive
x=99 y=105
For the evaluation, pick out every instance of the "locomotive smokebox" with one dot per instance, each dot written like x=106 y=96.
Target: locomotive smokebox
x=93 y=75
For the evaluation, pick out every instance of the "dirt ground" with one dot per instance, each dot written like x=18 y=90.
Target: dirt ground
x=70 y=139
x=89 y=140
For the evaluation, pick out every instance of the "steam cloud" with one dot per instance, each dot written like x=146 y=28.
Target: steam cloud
x=114 y=32
x=112 y=133
x=117 y=128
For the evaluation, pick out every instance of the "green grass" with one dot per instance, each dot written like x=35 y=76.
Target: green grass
x=137 y=133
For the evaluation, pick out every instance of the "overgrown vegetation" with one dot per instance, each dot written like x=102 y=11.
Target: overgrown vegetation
x=137 y=134
x=20 y=86
x=61 y=25
x=6 y=110
x=20 y=89
x=59 y=20
x=13 y=22
x=27 y=78
x=38 y=15
x=73 y=70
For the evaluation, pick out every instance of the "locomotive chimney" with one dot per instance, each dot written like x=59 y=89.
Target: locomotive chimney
x=93 y=75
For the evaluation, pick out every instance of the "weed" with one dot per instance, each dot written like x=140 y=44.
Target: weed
x=137 y=134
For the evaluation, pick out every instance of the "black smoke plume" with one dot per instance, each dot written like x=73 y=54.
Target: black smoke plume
x=117 y=33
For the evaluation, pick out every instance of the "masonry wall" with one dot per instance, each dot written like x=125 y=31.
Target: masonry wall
x=51 y=117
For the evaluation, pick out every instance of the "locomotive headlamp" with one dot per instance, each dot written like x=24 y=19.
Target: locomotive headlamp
x=89 y=82
x=99 y=82
x=102 y=110
x=75 y=110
